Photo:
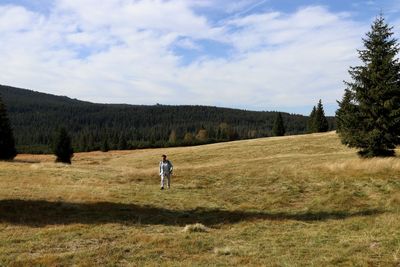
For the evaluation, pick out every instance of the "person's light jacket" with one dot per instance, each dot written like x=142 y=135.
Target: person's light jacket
x=166 y=167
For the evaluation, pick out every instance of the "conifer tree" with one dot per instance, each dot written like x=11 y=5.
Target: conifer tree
x=311 y=125
x=279 y=128
x=7 y=142
x=62 y=147
x=320 y=121
x=369 y=113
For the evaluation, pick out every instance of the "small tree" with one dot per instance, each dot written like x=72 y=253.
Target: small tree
x=368 y=117
x=279 y=128
x=317 y=122
x=7 y=142
x=62 y=147
x=311 y=127
x=321 y=123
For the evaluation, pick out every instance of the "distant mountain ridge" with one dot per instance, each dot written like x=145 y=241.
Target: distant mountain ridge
x=35 y=116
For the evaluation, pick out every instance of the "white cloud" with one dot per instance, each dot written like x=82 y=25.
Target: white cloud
x=188 y=44
x=121 y=51
x=287 y=61
x=14 y=19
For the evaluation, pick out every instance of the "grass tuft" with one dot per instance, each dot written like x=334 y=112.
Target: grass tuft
x=195 y=228
x=224 y=251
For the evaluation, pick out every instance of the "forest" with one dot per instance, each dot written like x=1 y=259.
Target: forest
x=35 y=117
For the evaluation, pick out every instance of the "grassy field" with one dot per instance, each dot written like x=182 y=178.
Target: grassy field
x=290 y=201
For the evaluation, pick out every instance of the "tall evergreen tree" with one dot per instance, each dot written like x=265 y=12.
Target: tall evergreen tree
x=279 y=128
x=311 y=125
x=317 y=122
x=369 y=113
x=7 y=142
x=320 y=121
x=62 y=147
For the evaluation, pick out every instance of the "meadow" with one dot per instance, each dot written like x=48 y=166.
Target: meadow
x=285 y=201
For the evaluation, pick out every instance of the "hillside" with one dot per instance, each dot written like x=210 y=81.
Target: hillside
x=291 y=201
x=35 y=116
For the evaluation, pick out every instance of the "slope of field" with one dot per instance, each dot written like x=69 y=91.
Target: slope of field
x=290 y=201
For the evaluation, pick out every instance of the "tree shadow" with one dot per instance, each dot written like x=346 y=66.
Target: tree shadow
x=41 y=213
x=24 y=161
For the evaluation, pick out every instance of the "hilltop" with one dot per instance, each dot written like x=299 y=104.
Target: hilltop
x=35 y=117
x=284 y=201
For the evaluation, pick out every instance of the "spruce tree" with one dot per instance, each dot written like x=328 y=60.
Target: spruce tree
x=369 y=114
x=317 y=122
x=311 y=125
x=278 y=128
x=7 y=142
x=62 y=147
x=320 y=121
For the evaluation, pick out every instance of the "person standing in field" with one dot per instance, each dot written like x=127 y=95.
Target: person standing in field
x=166 y=169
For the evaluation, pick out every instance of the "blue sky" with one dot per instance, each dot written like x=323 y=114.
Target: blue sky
x=257 y=55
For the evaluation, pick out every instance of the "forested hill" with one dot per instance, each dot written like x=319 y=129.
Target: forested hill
x=35 y=117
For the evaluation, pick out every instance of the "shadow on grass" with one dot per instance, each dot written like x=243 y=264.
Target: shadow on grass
x=24 y=161
x=41 y=213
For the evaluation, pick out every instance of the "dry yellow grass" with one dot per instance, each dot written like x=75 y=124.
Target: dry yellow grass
x=287 y=201
x=375 y=165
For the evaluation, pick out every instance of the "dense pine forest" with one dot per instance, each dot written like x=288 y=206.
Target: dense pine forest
x=35 y=117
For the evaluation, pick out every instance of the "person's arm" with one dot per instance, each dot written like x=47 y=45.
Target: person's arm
x=160 y=167
x=171 y=167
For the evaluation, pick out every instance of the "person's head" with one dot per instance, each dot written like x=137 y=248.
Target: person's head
x=164 y=157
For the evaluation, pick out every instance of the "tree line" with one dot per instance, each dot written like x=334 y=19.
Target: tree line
x=35 y=117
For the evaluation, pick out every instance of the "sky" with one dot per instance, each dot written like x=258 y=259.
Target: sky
x=280 y=55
